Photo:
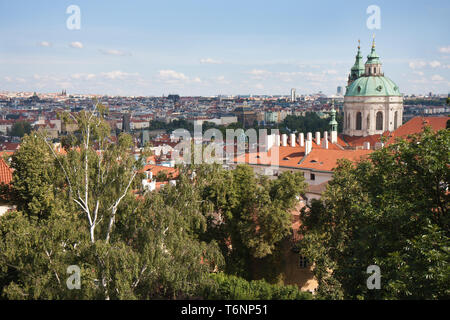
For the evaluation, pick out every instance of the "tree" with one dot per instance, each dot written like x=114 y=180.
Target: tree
x=235 y=288
x=34 y=188
x=87 y=214
x=248 y=215
x=20 y=128
x=390 y=210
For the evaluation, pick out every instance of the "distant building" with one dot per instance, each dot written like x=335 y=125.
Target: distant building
x=293 y=97
x=245 y=115
x=339 y=91
x=126 y=122
x=173 y=97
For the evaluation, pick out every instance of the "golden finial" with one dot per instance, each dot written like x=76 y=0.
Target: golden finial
x=373 y=41
x=359 y=44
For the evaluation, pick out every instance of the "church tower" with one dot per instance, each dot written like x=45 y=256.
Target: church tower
x=373 y=103
x=358 y=68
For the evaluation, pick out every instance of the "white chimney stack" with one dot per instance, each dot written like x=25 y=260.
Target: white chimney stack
x=302 y=139
x=277 y=137
x=325 y=141
x=292 y=139
x=318 y=138
x=284 y=140
x=325 y=135
x=308 y=146
x=367 y=145
x=309 y=136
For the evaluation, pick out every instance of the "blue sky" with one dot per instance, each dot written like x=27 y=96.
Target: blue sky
x=218 y=47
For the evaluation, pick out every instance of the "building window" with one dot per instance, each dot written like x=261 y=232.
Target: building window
x=312 y=176
x=379 y=125
x=302 y=262
x=358 y=121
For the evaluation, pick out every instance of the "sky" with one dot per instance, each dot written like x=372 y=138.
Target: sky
x=212 y=47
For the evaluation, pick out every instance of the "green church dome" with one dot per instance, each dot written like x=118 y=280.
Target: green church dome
x=372 y=86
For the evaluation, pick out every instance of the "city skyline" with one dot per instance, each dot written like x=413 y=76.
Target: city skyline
x=201 y=48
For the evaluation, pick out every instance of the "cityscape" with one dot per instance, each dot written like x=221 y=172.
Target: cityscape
x=210 y=159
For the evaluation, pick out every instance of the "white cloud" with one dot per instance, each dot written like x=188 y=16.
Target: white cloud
x=437 y=77
x=83 y=76
x=114 y=52
x=210 y=61
x=420 y=73
x=222 y=80
x=444 y=49
x=417 y=64
x=12 y=80
x=76 y=45
x=118 y=75
x=330 y=71
x=435 y=64
x=258 y=74
x=44 y=44
x=171 y=75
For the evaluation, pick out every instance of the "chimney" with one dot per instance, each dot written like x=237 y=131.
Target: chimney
x=325 y=135
x=269 y=139
x=318 y=138
x=302 y=139
x=366 y=145
x=292 y=139
x=308 y=146
x=277 y=137
x=284 y=140
x=333 y=136
x=309 y=136
x=325 y=141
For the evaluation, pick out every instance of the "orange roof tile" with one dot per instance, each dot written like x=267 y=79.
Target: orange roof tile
x=416 y=125
x=171 y=172
x=318 y=159
x=5 y=172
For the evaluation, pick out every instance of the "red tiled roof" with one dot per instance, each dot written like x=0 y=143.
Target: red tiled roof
x=318 y=159
x=171 y=172
x=416 y=125
x=9 y=146
x=355 y=141
x=5 y=172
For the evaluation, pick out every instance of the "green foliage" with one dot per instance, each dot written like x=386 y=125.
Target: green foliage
x=235 y=288
x=162 y=176
x=310 y=122
x=20 y=128
x=248 y=215
x=79 y=209
x=34 y=190
x=392 y=211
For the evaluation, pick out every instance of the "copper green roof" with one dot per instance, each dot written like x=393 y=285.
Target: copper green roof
x=358 y=68
x=372 y=86
x=373 y=57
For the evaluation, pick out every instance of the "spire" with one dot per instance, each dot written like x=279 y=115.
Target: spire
x=373 y=57
x=358 y=68
x=333 y=123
